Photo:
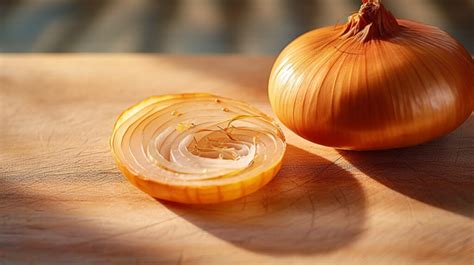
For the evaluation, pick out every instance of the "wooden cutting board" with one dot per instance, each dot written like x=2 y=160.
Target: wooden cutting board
x=62 y=199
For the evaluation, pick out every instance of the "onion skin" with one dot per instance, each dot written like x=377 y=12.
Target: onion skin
x=374 y=83
x=189 y=192
x=203 y=194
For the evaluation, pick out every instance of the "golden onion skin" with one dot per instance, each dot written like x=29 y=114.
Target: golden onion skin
x=201 y=194
x=372 y=91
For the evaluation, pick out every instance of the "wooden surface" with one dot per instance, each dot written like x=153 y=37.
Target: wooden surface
x=62 y=199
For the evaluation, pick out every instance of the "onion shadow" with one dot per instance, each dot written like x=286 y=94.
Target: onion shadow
x=439 y=173
x=312 y=206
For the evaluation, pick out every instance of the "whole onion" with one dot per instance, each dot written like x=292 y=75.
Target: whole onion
x=376 y=82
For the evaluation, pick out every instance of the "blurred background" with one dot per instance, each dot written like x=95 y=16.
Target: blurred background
x=197 y=26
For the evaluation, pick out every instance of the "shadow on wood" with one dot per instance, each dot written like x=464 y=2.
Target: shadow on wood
x=310 y=207
x=443 y=179
x=47 y=229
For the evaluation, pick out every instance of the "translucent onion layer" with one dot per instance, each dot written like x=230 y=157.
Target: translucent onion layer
x=197 y=148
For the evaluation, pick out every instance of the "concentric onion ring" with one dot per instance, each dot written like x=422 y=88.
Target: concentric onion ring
x=197 y=148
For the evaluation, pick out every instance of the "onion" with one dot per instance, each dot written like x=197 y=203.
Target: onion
x=197 y=148
x=373 y=83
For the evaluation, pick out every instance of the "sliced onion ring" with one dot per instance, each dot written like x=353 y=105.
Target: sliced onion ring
x=197 y=148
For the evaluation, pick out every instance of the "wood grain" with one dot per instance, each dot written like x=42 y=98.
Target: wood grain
x=62 y=200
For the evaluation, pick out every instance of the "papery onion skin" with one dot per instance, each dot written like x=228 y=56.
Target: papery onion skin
x=374 y=83
x=192 y=192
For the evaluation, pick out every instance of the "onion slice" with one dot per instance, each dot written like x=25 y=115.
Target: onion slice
x=197 y=148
